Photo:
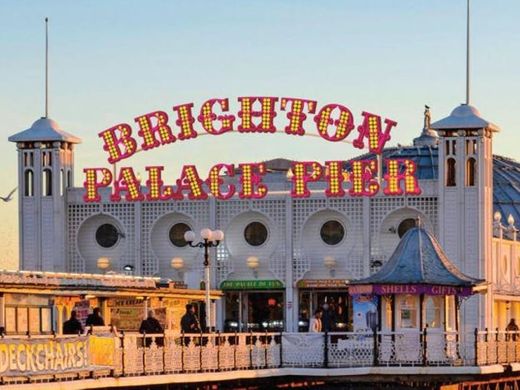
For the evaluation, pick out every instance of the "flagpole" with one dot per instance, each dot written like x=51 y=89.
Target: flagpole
x=46 y=67
x=467 y=54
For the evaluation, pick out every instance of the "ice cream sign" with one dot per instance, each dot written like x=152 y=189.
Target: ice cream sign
x=332 y=122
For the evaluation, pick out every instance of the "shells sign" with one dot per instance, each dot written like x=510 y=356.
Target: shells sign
x=332 y=122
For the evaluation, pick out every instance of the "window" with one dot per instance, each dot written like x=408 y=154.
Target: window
x=450 y=173
x=470 y=172
x=255 y=233
x=69 y=178
x=29 y=183
x=332 y=232
x=107 y=235
x=433 y=312
x=405 y=225
x=62 y=182
x=408 y=312
x=47 y=183
x=176 y=234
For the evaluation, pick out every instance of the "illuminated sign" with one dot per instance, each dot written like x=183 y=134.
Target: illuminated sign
x=332 y=122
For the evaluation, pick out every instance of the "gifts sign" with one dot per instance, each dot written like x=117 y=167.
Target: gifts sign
x=332 y=122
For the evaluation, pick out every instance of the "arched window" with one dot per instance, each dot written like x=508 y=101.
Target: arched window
x=450 y=173
x=432 y=311
x=62 y=182
x=69 y=178
x=470 y=172
x=29 y=183
x=47 y=183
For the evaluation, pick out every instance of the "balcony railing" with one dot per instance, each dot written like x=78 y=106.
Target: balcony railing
x=105 y=353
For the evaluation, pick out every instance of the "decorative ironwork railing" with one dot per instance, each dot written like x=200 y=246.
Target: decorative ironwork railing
x=104 y=353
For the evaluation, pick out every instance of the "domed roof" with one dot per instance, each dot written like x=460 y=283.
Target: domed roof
x=44 y=129
x=464 y=116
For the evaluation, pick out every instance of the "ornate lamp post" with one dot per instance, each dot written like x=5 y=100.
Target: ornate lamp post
x=210 y=239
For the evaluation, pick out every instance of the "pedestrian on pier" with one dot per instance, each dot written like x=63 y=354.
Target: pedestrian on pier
x=151 y=325
x=315 y=325
x=190 y=322
x=72 y=325
x=95 y=318
x=512 y=327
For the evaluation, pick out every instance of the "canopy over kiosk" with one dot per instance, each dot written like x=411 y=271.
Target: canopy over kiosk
x=418 y=287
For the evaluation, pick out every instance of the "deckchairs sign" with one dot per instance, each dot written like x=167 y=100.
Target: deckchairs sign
x=300 y=117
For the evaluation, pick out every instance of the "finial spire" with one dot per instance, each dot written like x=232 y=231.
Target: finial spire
x=46 y=67
x=427 y=117
x=467 y=53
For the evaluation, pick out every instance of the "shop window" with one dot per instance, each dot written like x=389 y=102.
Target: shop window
x=332 y=232
x=107 y=235
x=29 y=183
x=387 y=307
x=405 y=225
x=450 y=172
x=255 y=233
x=408 y=312
x=432 y=311
x=176 y=234
x=470 y=172
x=47 y=183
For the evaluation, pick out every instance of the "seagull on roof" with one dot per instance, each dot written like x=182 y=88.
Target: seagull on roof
x=9 y=197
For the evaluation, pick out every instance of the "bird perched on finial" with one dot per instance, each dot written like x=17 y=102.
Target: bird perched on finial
x=9 y=197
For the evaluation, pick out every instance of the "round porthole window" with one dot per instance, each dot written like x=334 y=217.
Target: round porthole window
x=405 y=225
x=332 y=232
x=255 y=233
x=176 y=234
x=107 y=235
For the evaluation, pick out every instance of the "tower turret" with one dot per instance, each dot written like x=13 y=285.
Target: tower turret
x=45 y=171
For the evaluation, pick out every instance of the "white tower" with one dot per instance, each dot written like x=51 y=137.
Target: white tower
x=45 y=171
x=466 y=200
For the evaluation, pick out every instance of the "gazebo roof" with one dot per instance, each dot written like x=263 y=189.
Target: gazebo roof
x=419 y=259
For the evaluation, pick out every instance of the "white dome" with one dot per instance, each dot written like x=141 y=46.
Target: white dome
x=44 y=129
x=464 y=117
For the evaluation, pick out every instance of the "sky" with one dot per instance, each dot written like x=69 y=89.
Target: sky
x=111 y=61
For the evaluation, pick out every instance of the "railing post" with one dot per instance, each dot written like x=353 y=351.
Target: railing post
x=200 y=351
x=265 y=349
x=217 y=342
x=144 y=353
x=164 y=352
x=182 y=351
x=476 y=346
x=251 y=350
x=425 y=347
x=326 y=350
x=281 y=349
x=122 y=353
x=496 y=346
x=376 y=349
x=235 y=343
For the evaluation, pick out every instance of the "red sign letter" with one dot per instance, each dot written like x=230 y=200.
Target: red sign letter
x=190 y=181
x=156 y=191
x=362 y=178
x=267 y=114
x=394 y=175
x=207 y=117
x=91 y=183
x=344 y=124
x=251 y=179
x=302 y=175
x=185 y=121
x=112 y=142
x=371 y=130
x=147 y=130
x=214 y=181
x=296 y=116
x=129 y=183
x=335 y=178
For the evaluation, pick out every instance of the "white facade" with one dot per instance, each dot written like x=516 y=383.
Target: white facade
x=58 y=231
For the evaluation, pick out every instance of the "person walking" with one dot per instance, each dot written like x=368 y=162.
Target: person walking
x=151 y=325
x=316 y=325
x=95 y=318
x=72 y=325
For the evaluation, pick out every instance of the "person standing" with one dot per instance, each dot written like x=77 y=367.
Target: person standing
x=151 y=325
x=95 y=318
x=189 y=321
x=315 y=325
x=72 y=325
x=512 y=327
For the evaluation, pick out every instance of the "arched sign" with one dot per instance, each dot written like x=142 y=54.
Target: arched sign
x=332 y=122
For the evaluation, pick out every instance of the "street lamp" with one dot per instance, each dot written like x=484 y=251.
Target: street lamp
x=210 y=239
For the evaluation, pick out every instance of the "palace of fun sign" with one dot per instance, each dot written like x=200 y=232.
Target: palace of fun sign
x=332 y=122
